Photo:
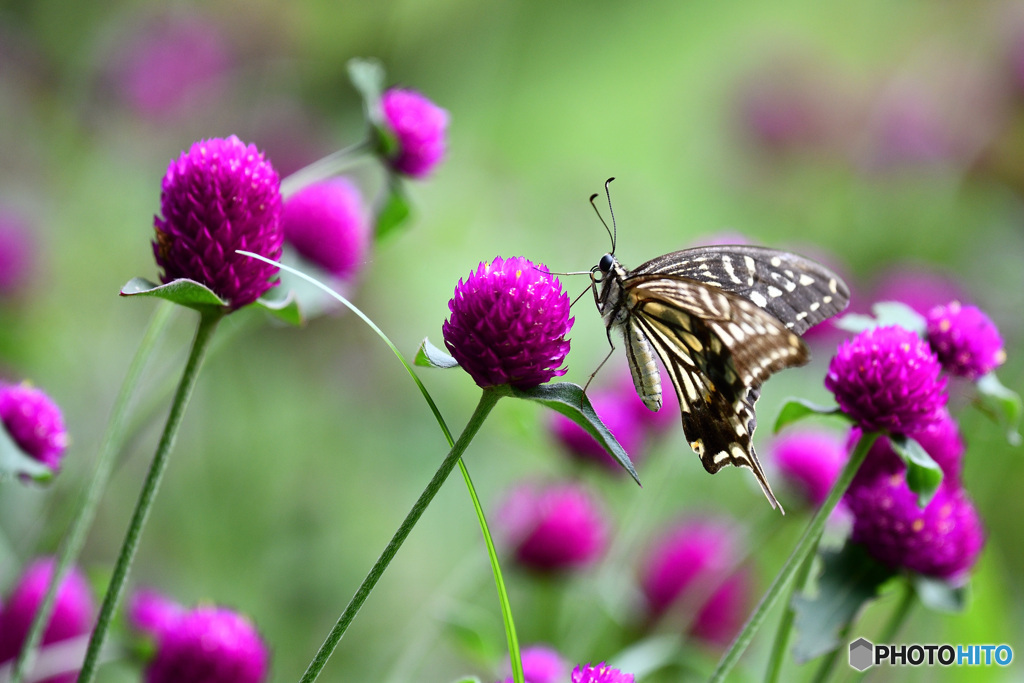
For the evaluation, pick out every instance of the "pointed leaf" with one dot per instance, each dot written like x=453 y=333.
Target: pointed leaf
x=569 y=399
x=285 y=308
x=16 y=462
x=395 y=211
x=1004 y=403
x=855 y=322
x=429 y=356
x=796 y=409
x=850 y=578
x=184 y=292
x=940 y=595
x=923 y=474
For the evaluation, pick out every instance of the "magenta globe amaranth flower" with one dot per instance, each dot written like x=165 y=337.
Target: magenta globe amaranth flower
x=600 y=673
x=419 y=127
x=887 y=378
x=617 y=412
x=220 y=196
x=72 y=612
x=508 y=324
x=966 y=340
x=554 y=527
x=34 y=422
x=809 y=461
x=327 y=224
x=541 y=664
x=208 y=645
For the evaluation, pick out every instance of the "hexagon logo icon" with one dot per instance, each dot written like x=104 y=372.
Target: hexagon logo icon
x=861 y=654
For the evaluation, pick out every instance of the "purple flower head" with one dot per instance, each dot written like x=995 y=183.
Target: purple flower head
x=942 y=540
x=34 y=422
x=508 y=324
x=220 y=196
x=917 y=287
x=17 y=254
x=554 y=527
x=810 y=460
x=618 y=413
x=687 y=566
x=966 y=340
x=721 y=617
x=171 y=66
x=327 y=224
x=209 y=645
x=887 y=378
x=541 y=664
x=420 y=128
x=600 y=673
x=153 y=613
x=941 y=440
x=72 y=612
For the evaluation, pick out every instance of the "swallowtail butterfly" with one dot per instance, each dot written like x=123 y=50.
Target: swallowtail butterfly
x=722 y=319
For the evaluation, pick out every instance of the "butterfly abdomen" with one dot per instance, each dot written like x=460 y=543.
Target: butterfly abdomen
x=646 y=378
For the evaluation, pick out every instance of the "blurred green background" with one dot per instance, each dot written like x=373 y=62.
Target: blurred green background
x=878 y=135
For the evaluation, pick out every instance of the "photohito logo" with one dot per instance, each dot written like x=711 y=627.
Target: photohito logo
x=865 y=654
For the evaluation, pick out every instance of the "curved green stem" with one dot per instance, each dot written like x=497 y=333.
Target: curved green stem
x=330 y=165
x=109 y=447
x=804 y=547
x=483 y=409
x=207 y=324
x=786 y=624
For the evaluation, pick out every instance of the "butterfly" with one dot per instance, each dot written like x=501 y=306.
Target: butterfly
x=722 y=319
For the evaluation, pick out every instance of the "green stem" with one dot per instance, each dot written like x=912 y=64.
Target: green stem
x=807 y=543
x=483 y=408
x=330 y=165
x=786 y=624
x=109 y=447
x=207 y=324
x=499 y=582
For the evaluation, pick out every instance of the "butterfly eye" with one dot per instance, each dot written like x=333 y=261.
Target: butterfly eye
x=606 y=263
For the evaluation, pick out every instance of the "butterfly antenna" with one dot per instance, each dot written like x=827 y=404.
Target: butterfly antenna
x=611 y=211
x=611 y=235
x=580 y=295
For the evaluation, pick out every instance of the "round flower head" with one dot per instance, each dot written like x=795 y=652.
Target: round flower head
x=810 y=461
x=942 y=540
x=686 y=563
x=508 y=324
x=419 y=127
x=17 y=254
x=600 y=673
x=966 y=340
x=617 y=413
x=553 y=528
x=887 y=378
x=941 y=440
x=34 y=422
x=541 y=664
x=72 y=611
x=327 y=224
x=220 y=196
x=209 y=645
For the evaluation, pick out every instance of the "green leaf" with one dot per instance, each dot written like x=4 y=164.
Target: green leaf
x=285 y=308
x=569 y=400
x=855 y=322
x=885 y=313
x=850 y=578
x=16 y=462
x=940 y=595
x=367 y=76
x=923 y=474
x=429 y=356
x=184 y=292
x=395 y=211
x=1003 y=404
x=796 y=409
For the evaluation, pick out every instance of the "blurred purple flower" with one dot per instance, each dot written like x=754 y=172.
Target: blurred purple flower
x=34 y=422
x=721 y=617
x=618 y=414
x=327 y=224
x=966 y=340
x=420 y=127
x=171 y=65
x=208 y=644
x=809 y=460
x=887 y=378
x=220 y=196
x=541 y=664
x=600 y=673
x=553 y=527
x=17 y=254
x=508 y=324
x=72 y=611
x=917 y=287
